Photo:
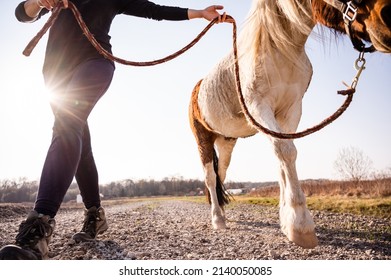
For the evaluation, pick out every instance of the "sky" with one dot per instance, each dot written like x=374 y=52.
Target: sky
x=140 y=127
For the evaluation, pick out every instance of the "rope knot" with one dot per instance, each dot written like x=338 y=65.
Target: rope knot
x=224 y=18
x=348 y=91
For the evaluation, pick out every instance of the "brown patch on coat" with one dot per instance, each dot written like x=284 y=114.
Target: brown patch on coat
x=203 y=134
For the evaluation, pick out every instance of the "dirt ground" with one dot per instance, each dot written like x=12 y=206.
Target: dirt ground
x=173 y=229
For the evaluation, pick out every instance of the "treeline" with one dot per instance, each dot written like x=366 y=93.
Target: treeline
x=168 y=186
x=22 y=190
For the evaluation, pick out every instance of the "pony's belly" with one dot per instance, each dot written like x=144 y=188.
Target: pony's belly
x=223 y=115
x=231 y=127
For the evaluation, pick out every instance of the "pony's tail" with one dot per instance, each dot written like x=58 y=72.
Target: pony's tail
x=223 y=196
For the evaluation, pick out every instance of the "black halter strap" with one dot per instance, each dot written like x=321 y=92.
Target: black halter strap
x=349 y=13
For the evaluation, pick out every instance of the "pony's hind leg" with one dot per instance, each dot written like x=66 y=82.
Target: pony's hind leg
x=224 y=147
x=205 y=139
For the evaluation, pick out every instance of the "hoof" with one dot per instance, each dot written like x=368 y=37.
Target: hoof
x=12 y=252
x=307 y=240
x=219 y=225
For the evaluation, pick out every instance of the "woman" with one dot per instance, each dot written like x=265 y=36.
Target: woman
x=78 y=76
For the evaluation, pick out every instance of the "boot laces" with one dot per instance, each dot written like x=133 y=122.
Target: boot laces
x=89 y=225
x=33 y=230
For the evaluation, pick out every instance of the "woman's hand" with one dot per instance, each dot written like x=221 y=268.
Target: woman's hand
x=209 y=13
x=50 y=4
x=34 y=7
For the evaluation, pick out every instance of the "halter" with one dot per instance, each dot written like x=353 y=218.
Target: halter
x=349 y=13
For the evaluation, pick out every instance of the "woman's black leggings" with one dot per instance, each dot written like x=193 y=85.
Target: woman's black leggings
x=70 y=153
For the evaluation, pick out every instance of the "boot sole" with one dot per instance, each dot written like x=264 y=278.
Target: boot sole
x=13 y=252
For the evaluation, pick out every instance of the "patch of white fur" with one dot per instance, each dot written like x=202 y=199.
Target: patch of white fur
x=218 y=219
x=296 y=217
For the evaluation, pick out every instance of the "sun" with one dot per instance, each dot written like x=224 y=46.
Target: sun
x=25 y=119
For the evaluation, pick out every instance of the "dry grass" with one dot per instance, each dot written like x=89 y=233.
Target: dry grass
x=368 y=189
x=372 y=198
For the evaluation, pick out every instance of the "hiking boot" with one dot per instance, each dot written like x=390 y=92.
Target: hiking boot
x=32 y=241
x=94 y=223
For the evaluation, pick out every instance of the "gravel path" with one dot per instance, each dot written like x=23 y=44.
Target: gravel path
x=175 y=230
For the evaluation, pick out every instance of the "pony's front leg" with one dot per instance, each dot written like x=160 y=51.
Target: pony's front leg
x=295 y=219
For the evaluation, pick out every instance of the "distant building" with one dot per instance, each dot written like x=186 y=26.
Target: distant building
x=79 y=199
x=235 y=191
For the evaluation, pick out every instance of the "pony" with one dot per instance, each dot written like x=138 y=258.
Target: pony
x=275 y=73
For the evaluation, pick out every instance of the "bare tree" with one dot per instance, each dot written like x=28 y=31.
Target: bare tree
x=352 y=164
